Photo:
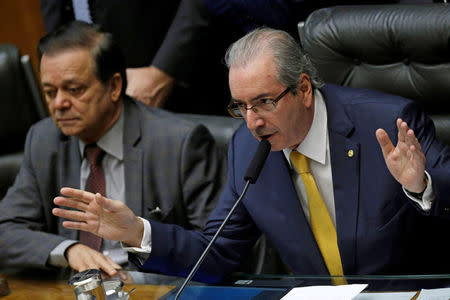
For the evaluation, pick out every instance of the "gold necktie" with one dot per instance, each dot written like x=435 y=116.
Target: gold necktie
x=321 y=224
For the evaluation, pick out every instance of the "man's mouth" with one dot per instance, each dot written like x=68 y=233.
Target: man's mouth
x=66 y=120
x=267 y=136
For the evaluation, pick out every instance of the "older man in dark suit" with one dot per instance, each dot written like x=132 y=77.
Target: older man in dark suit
x=162 y=167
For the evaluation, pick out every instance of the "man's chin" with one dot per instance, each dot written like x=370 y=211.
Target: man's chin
x=69 y=131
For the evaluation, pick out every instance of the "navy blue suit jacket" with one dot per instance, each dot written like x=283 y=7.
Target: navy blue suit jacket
x=380 y=231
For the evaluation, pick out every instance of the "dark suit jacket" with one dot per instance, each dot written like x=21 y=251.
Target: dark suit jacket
x=138 y=26
x=380 y=231
x=169 y=163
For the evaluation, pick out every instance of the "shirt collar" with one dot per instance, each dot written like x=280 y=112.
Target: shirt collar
x=112 y=141
x=315 y=143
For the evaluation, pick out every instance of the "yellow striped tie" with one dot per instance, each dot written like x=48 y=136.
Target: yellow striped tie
x=321 y=224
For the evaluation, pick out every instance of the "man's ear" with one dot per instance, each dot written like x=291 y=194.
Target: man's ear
x=304 y=84
x=305 y=88
x=116 y=86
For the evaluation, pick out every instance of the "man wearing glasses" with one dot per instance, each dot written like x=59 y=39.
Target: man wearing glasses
x=335 y=196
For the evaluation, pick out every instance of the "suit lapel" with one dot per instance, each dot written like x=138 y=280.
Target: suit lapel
x=133 y=158
x=344 y=155
x=69 y=165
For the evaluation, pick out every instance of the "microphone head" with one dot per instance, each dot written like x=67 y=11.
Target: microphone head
x=255 y=166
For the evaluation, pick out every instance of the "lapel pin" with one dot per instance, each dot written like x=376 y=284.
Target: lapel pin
x=350 y=153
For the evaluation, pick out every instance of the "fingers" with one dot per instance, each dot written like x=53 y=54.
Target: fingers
x=81 y=257
x=69 y=214
x=385 y=142
x=108 y=204
x=81 y=195
x=402 y=130
x=112 y=266
x=108 y=266
x=70 y=202
x=102 y=201
x=78 y=199
x=406 y=135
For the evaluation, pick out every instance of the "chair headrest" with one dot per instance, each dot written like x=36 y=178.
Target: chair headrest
x=400 y=49
x=17 y=111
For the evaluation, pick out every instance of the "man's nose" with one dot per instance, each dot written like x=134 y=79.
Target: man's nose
x=253 y=120
x=61 y=100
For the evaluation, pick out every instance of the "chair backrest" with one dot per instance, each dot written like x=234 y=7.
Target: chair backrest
x=221 y=127
x=19 y=108
x=401 y=49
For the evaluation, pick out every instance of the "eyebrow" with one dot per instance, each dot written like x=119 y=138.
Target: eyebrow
x=260 y=96
x=65 y=82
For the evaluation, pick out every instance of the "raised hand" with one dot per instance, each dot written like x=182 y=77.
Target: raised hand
x=110 y=219
x=81 y=257
x=405 y=161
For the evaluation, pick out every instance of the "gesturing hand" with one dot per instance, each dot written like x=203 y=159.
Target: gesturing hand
x=110 y=219
x=405 y=161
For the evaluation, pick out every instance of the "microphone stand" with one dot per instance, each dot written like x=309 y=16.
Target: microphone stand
x=202 y=257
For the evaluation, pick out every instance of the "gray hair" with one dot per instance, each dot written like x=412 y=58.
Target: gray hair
x=289 y=58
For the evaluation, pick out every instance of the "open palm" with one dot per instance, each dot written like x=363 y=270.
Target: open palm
x=110 y=219
x=405 y=161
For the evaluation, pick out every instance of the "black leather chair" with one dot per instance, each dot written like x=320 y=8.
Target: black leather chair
x=20 y=101
x=403 y=49
x=221 y=127
x=21 y=105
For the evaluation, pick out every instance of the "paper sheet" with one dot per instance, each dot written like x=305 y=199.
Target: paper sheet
x=434 y=294
x=385 y=296
x=325 y=292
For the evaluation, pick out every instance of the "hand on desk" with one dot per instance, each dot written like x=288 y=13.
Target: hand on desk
x=405 y=161
x=82 y=257
x=110 y=219
x=149 y=85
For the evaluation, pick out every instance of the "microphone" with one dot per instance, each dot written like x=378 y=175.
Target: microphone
x=253 y=170
x=255 y=166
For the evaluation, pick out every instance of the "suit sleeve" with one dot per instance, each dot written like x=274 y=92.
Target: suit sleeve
x=24 y=218
x=176 y=250
x=56 y=13
x=184 y=39
x=437 y=157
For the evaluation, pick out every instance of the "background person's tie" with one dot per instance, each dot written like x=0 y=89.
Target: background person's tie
x=95 y=183
x=321 y=223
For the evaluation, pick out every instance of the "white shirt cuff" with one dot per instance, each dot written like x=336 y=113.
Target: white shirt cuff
x=428 y=195
x=146 y=243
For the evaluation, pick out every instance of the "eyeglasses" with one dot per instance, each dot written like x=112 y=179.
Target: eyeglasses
x=263 y=106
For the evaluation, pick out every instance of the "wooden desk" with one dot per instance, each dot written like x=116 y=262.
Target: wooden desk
x=28 y=289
